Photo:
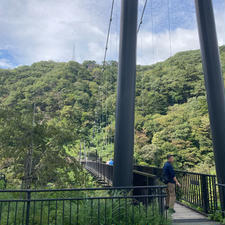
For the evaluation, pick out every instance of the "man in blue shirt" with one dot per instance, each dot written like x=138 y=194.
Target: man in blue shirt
x=171 y=181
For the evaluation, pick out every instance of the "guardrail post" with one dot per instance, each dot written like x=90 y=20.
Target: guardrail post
x=28 y=207
x=161 y=202
x=205 y=193
x=98 y=169
x=215 y=199
x=221 y=188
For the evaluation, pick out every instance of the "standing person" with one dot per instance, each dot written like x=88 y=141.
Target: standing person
x=171 y=181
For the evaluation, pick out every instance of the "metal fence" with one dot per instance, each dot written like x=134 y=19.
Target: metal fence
x=82 y=206
x=100 y=170
x=197 y=190
x=3 y=181
x=222 y=194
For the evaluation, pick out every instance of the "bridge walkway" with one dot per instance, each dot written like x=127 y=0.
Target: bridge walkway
x=183 y=216
x=187 y=216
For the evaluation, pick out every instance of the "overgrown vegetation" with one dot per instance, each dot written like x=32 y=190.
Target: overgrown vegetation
x=75 y=104
x=81 y=210
x=218 y=216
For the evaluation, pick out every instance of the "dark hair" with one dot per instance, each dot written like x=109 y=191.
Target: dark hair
x=169 y=156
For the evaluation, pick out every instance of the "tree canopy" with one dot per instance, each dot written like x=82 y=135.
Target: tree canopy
x=75 y=106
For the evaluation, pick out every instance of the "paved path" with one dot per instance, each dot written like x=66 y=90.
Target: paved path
x=186 y=216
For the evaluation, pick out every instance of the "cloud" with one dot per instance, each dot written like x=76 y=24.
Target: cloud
x=158 y=46
x=141 y=2
x=5 y=64
x=34 y=30
x=47 y=30
x=153 y=48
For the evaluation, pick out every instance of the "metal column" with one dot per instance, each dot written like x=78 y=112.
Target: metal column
x=124 y=136
x=214 y=82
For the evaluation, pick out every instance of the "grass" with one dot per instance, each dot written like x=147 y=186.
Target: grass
x=94 y=211
x=217 y=216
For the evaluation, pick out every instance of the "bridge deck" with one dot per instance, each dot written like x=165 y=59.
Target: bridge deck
x=183 y=215
x=186 y=216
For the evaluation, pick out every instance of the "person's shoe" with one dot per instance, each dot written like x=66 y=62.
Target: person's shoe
x=166 y=207
x=171 y=210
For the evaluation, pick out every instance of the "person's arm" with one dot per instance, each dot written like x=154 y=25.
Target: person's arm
x=174 y=177
x=177 y=182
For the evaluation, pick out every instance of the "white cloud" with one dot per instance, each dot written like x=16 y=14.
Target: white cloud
x=141 y=2
x=34 y=30
x=4 y=63
x=155 y=47
x=47 y=30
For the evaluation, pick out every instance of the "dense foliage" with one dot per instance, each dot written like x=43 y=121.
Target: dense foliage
x=89 y=208
x=75 y=109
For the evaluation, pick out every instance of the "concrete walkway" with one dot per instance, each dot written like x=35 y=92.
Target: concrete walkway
x=186 y=216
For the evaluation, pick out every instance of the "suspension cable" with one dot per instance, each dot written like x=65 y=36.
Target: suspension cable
x=108 y=34
x=142 y=16
x=152 y=30
x=100 y=91
x=169 y=24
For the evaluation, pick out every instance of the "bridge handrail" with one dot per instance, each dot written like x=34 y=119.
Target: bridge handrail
x=198 y=189
x=179 y=171
x=153 y=167
x=31 y=207
x=82 y=189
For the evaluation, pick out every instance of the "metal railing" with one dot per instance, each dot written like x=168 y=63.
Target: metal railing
x=222 y=198
x=3 y=181
x=82 y=206
x=100 y=170
x=197 y=190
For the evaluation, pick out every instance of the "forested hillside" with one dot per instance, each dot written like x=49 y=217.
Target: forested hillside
x=54 y=109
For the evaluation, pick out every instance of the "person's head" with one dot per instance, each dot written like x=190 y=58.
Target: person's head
x=170 y=158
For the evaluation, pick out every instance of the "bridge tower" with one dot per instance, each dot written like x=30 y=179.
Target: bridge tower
x=124 y=135
x=214 y=83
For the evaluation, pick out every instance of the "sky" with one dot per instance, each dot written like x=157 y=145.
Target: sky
x=63 y=30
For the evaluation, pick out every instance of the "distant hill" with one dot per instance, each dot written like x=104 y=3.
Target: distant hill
x=171 y=109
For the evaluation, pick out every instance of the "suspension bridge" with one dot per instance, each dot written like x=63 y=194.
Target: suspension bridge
x=200 y=190
x=200 y=194
x=197 y=197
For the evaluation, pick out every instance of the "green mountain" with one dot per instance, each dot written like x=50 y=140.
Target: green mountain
x=52 y=110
